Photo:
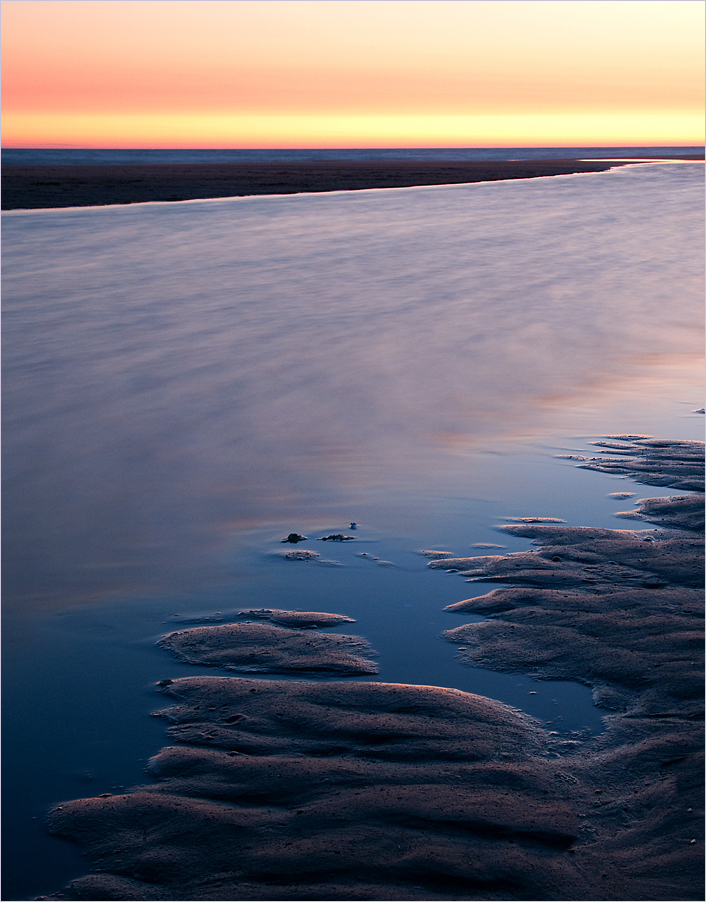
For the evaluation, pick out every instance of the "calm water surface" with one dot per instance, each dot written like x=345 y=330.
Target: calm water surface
x=61 y=156
x=185 y=384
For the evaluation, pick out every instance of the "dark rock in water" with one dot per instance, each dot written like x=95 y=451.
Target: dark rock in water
x=265 y=648
x=337 y=537
x=293 y=538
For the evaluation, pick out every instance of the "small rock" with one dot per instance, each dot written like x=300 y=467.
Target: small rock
x=293 y=538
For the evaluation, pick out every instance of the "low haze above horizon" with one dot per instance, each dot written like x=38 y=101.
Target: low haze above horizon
x=351 y=73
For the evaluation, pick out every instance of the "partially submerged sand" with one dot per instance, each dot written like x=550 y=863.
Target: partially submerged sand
x=347 y=790
x=267 y=648
x=36 y=186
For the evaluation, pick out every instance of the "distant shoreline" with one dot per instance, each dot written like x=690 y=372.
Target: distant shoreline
x=51 y=186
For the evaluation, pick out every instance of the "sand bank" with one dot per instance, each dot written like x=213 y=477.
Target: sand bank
x=330 y=791
x=30 y=187
x=348 y=790
x=268 y=648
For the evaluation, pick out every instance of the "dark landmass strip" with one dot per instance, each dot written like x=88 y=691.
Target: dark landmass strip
x=40 y=186
x=278 y=790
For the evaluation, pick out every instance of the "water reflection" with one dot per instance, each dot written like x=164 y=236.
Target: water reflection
x=174 y=372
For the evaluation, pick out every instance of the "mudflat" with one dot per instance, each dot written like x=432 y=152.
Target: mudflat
x=310 y=789
x=41 y=186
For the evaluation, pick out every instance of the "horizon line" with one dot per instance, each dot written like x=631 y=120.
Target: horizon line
x=367 y=147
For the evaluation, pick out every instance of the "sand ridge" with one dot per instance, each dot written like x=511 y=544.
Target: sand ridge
x=269 y=648
x=349 y=790
x=326 y=791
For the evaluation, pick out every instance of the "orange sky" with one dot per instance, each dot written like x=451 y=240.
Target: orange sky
x=364 y=73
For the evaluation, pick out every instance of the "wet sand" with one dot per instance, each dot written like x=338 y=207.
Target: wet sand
x=267 y=648
x=40 y=186
x=346 y=790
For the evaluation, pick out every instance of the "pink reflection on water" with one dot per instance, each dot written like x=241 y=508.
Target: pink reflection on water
x=173 y=375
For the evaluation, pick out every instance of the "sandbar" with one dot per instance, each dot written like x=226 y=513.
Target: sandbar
x=294 y=647
x=49 y=186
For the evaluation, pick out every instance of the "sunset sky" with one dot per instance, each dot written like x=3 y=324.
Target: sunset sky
x=351 y=73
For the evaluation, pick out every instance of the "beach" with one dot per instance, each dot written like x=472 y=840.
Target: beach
x=322 y=481
x=297 y=790
x=38 y=186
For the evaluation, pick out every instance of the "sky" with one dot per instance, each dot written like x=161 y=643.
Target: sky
x=352 y=73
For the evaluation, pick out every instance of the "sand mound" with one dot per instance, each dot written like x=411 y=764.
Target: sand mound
x=296 y=619
x=622 y=612
x=676 y=464
x=356 y=790
x=579 y=556
x=678 y=512
x=630 y=634
x=265 y=648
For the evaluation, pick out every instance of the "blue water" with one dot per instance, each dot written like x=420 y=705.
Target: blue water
x=86 y=156
x=184 y=384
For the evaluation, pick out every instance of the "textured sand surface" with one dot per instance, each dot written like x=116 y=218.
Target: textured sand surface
x=347 y=790
x=676 y=465
x=325 y=791
x=266 y=648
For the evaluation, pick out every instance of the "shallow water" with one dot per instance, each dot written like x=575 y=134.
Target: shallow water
x=175 y=373
x=185 y=384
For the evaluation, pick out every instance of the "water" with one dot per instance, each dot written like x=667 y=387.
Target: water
x=57 y=156
x=185 y=384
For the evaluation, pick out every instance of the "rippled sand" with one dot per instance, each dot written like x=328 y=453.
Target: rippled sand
x=346 y=790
